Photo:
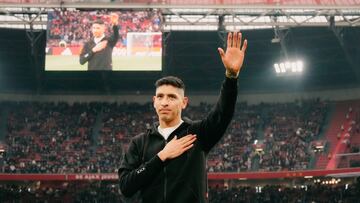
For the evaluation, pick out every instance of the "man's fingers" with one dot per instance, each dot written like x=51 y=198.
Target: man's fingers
x=104 y=43
x=176 y=146
x=189 y=141
x=172 y=140
x=221 y=52
x=229 y=41
x=188 y=147
x=100 y=46
x=187 y=138
x=239 y=38
x=244 y=46
x=234 y=39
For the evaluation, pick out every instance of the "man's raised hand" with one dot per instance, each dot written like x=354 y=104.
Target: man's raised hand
x=233 y=57
x=114 y=19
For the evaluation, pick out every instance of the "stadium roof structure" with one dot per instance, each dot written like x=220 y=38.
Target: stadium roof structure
x=202 y=14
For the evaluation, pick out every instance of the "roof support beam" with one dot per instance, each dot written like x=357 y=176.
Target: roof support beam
x=146 y=5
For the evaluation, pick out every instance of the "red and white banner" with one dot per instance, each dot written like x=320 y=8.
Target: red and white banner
x=212 y=176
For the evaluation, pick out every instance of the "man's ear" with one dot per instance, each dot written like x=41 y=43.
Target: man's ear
x=185 y=102
x=153 y=98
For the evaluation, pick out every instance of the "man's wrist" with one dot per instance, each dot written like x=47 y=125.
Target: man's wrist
x=162 y=156
x=229 y=74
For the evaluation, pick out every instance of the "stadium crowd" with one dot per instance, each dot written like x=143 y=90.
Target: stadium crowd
x=315 y=193
x=235 y=151
x=91 y=137
x=109 y=192
x=289 y=130
x=43 y=136
x=74 y=27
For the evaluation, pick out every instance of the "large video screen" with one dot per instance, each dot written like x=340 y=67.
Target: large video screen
x=104 y=40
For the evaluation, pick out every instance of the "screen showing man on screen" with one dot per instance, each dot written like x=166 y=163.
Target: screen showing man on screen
x=97 y=52
x=101 y=40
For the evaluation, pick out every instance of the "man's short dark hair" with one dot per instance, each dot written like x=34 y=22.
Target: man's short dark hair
x=170 y=80
x=98 y=21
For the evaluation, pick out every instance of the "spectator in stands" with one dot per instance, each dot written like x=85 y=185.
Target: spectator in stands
x=97 y=52
x=180 y=165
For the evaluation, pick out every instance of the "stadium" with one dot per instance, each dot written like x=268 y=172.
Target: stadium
x=295 y=134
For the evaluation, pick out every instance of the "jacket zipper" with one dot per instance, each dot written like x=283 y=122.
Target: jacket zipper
x=165 y=181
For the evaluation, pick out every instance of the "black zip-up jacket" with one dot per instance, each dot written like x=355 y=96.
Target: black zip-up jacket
x=182 y=179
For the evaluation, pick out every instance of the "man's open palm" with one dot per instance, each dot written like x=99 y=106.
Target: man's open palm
x=233 y=57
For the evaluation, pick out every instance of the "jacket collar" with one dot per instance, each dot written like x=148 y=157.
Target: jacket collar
x=154 y=131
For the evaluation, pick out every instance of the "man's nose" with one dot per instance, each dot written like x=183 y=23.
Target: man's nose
x=164 y=102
